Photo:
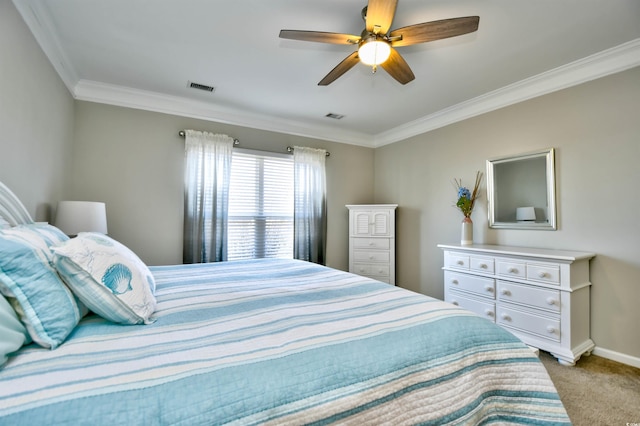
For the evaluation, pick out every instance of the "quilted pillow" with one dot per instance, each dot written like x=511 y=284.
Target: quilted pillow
x=107 y=277
x=12 y=333
x=45 y=305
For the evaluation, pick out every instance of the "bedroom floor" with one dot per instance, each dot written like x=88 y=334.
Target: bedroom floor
x=597 y=391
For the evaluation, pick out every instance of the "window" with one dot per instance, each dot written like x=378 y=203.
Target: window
x=260 y=221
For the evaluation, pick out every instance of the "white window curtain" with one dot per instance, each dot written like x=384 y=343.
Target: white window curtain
x=206 y=196
x=310 y=204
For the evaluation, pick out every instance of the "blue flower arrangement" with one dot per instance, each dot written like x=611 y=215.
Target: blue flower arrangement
x=466 y=198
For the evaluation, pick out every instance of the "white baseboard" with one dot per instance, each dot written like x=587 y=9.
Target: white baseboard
x=617 y=356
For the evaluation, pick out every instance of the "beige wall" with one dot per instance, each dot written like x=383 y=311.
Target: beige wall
x=36 y=118
x=595 y=128
x=133 y=161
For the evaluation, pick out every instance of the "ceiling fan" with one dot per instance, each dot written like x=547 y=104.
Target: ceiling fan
x=376 y=44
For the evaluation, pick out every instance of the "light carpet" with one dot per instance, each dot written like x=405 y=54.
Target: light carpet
x=597 y=391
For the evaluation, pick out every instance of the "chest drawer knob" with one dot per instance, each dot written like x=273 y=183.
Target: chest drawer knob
x=506 y=317
x=489 y=288
x=513 y=270
x=551 y=301
x=455 y=303
x=371 y=257
x=454 y=282
x=551 y=329
x=542 y=274
x=489 y=313
x=372 y=244
x=483 y=266
x=460 y=262
x=505 y=292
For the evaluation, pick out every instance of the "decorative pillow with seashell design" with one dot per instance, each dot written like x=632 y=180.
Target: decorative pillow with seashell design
x=107 y=277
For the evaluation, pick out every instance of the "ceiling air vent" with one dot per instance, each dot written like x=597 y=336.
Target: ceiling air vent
x=201 y=86
x=334 y=116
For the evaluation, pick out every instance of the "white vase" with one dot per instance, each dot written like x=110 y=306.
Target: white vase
x=467 y=232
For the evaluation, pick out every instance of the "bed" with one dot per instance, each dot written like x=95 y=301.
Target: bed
x=275 y=341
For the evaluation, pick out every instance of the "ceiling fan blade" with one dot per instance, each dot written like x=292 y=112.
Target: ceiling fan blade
x=340 y=69
x=434 y=30
x=380 y=14
x=398 y=68
x=320 y=37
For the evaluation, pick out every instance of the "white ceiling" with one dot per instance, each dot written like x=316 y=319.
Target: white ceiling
x=143 y=53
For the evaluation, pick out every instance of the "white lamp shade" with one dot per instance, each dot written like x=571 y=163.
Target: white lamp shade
x=526 y=213
x=73 y=217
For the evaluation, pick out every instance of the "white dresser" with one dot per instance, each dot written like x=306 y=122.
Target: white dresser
x=372 y=241
x=541 y=296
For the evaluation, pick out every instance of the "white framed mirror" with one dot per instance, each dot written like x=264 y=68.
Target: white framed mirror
x=521 y=191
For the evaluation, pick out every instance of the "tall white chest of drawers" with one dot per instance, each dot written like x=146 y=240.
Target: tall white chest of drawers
x=372 y=241
x=541 y=296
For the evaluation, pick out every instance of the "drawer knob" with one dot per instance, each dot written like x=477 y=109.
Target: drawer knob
x=489 y=288
x=513 y=270
x=454 y=303
x=542 y=274
x=506 y=317
x=483 y=266
x=551 y=301
x=551 y=329
x=380 y=271
x=460 y=262
x=371 y=257
x=489 y=312
x=454 y=282
x=505 y=292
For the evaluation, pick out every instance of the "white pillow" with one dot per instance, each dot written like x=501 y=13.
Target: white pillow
x=12 y=333
x=107 y=277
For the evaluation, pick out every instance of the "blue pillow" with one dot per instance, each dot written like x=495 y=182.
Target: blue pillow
x=12 y=333
x=47 y=307
x=107 y=277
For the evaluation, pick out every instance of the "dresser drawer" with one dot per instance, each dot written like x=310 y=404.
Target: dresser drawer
x=543 y=273
x=536 y=297
x=371 y=270
x=371 y=256
x=481 y=286
x=511 y=269
x=371 y=243
x=485 y=309
x=547 y=328
x=457 y=261
x=481 y=264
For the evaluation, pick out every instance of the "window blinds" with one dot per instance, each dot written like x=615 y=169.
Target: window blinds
x=260 y=222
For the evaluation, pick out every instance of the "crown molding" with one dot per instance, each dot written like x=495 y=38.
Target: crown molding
x=36 y=16
x=93 y=91
x=610 y=61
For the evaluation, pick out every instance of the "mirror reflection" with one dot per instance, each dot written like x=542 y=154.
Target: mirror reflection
x=521 y=191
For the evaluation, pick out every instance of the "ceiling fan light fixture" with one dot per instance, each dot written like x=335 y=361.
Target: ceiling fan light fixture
x=374 y=51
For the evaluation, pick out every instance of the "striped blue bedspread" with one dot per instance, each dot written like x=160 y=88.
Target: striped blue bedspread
x=281 y=342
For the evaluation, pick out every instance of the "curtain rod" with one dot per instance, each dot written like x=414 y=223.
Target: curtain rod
x=182 y=134
x=290 y=149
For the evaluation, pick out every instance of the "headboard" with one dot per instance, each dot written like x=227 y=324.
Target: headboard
x=11 y=208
